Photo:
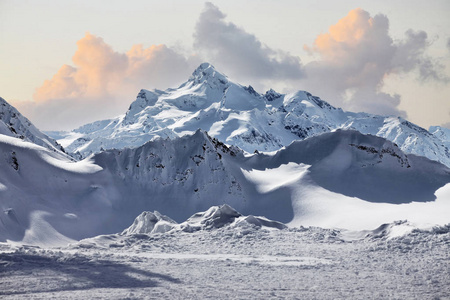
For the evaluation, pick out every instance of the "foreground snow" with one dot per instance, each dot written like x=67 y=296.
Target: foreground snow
x=235 y=263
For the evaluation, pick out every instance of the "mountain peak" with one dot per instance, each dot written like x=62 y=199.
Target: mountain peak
x=207 y=73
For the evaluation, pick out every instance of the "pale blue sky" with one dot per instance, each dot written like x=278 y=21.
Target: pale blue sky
x=38 y=37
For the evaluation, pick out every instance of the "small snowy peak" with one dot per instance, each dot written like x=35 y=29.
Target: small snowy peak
x=226 y=216
x=215 y=217
x=150 y=222
x=271 y=95
x=258 y=222
x=144 y=99
x=98 y=125
x=14 y=124
x=442 y=134
x=392 y=230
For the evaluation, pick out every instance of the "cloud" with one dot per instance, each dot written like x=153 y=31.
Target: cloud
x=411 y=54
x=239 y=53
x=448 y=44
x=102 y=82
x=349 y=66
x=446 y=124
x=358 y=54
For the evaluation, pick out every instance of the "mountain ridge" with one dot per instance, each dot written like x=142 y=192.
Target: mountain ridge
x=240 y=116
x=14 y=124
x=302 y=184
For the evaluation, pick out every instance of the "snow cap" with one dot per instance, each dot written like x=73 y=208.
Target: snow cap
x=207 y=73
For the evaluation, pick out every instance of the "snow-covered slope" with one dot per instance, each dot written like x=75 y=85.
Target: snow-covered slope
x=338 y=179
x=442 y=134
x=12 y=123
x=238 y=115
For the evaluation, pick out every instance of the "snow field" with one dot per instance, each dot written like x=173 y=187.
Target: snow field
x=227 y=263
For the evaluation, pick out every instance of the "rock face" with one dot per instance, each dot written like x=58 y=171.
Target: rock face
x=238 y=115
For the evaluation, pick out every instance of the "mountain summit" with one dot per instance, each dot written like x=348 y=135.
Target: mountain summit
x=207 y=73
x=240 y=116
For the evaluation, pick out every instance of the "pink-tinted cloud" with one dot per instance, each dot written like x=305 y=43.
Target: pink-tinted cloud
x=102 y=83
x=356 y=56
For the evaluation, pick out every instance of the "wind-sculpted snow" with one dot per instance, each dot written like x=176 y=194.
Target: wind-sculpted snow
x=213 y=218
x=240 y=116
x=14 y=124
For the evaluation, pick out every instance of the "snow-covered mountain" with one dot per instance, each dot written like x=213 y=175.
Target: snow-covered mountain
x=13 y=123
x=339 y=179
x=238 y=115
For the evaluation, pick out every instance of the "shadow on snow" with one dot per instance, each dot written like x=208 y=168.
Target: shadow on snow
x=69 y=273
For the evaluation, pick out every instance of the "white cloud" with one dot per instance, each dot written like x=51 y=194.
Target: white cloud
x=350 y=66
x=239 y=53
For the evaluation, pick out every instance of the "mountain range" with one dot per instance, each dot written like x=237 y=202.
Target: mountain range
x=240 y=116
x=185 y=150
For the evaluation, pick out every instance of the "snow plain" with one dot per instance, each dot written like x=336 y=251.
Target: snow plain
x=234 y=263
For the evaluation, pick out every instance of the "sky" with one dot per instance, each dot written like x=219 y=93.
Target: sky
x=67 y=63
